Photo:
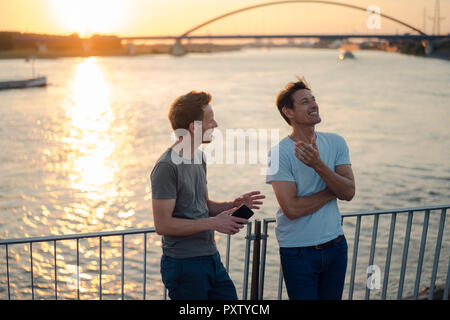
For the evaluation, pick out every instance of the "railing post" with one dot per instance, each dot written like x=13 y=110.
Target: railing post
x=123 y=265
x=31 y=270
x=227 y=257
x=447 y=283
x=56 y=266
x=7 y=271
x=421 y=253
x=100 y=267
x=437 y=253
x=388 y=256
x=405 y=255
x=280 y=283
x=372 y=250
x=255 y=261
x=145 y=265
x=247 y=260
x=355 y=256
x=78 y=269
x=262 y=268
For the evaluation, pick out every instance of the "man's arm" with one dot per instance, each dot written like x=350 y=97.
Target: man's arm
x=295 y=207
x=167 y=225
x=251 y=199
x=216 y=207
x=341 y=182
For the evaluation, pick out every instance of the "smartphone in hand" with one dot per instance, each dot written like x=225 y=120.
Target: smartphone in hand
x=243 y=212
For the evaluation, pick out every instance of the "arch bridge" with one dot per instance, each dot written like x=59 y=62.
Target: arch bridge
x=178 y=49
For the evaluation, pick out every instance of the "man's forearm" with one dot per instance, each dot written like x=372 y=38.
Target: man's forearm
x=303 y=206
x=216 y=207
x=183 y=227
x=342 y=187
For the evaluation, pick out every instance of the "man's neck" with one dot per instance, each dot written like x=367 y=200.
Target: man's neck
x=305 y=134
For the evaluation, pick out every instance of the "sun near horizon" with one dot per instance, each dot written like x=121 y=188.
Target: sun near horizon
x=87 y=17
x=174 y=17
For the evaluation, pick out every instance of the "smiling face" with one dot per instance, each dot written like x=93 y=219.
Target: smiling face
x=305 y=111
x=208 y=124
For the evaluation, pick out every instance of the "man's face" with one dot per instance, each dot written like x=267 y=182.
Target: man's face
x=208 y=124
x=306 y=110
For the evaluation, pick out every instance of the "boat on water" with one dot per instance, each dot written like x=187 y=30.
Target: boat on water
x=346 y=55
x=26 y=83
x=34 y=81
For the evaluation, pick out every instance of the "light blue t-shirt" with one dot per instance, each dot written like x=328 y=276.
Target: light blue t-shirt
x=324 y=224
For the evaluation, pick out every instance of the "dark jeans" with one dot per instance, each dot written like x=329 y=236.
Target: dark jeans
x=315 y=274
x=198 y=278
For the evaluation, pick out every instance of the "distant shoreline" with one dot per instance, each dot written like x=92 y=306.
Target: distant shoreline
x=17 y=45
x=163 y=49
x=138 y=50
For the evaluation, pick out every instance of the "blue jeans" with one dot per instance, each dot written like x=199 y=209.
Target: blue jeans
x=315 y=274
x=198 y=278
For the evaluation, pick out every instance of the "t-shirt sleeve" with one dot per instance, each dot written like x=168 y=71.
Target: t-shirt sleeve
x=343 y=155
x=164 y=181
x=278 y=166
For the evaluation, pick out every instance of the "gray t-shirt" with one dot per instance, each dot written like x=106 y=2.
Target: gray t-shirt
x=185 y=182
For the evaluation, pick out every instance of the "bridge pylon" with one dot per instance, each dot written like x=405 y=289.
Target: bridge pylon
x=178 y=49
x=428 y=46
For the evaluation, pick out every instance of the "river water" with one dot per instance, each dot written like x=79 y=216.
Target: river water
x=76 y=156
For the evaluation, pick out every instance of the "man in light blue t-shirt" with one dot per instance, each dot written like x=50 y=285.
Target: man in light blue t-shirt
x=309 y=171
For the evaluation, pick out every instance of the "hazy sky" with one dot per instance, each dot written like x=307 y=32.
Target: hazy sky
x=164 y=17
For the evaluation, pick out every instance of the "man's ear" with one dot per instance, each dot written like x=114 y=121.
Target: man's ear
x=191 y=127
x=288 y=112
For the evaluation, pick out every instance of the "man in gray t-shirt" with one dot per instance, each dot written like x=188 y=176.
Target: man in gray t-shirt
x=183 y=213
x=187 y=184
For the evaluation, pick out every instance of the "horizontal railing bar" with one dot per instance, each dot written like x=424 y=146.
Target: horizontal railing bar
x=401 y=210
x=78 y=236
x=377 y=212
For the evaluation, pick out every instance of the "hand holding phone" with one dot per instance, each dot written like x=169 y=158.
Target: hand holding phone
x=243 y=212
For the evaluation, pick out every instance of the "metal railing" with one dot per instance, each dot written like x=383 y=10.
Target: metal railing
x=404 y=257
x=77 y=237
x=259 y=257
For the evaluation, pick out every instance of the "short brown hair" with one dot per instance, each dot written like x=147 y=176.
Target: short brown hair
x=187 y=109
x=284 y=98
